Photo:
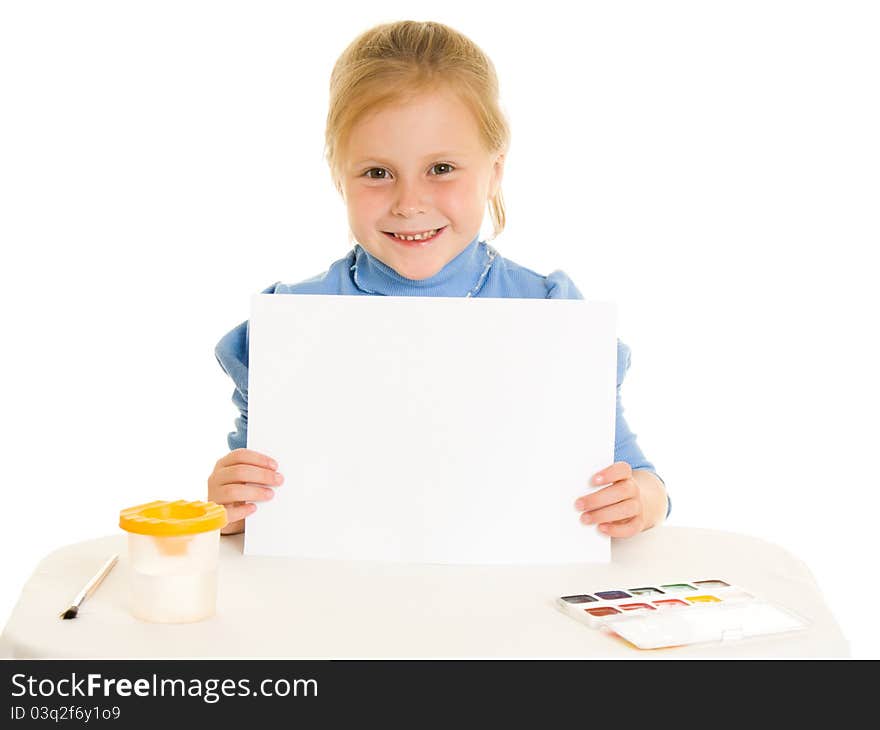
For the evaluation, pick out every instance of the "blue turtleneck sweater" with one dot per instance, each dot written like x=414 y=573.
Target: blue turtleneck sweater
x=478 y=271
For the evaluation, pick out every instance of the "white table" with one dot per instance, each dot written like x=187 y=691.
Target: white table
x=324 y=609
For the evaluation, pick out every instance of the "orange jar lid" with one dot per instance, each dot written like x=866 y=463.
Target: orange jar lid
x=173 y=518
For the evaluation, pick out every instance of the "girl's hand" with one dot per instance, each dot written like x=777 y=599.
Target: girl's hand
x=235 y=483
x=619 y=508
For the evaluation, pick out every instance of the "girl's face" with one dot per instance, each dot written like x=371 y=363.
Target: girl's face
x=418 y=167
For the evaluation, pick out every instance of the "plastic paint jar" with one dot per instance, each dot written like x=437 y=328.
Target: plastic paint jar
x=173 y=550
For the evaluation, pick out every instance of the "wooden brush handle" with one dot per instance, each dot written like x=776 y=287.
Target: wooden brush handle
x=95 y=581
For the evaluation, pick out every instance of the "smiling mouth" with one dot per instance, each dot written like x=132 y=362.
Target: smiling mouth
x=412 y=241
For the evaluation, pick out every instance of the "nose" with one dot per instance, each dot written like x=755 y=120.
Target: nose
x=410 y=200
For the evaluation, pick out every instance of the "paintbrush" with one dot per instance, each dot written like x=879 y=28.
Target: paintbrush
x=89 y=588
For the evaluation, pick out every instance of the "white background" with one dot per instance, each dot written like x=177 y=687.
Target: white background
x=711 y=167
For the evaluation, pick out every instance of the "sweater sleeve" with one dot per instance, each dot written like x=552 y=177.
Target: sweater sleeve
x=232 y=354
x=626 y=447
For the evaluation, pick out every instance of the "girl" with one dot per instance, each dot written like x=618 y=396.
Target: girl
x=416 y=144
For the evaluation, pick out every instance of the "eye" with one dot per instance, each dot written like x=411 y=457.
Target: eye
x=369 y=173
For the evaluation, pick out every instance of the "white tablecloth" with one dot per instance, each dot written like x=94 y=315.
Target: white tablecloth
x=323 y=609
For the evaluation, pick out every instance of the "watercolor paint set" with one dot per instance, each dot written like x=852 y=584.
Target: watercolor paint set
x=676 y=614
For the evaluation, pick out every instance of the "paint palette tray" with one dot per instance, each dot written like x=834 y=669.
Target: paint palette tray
x=675 y=614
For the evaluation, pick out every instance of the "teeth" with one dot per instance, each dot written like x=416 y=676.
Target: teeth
x=418 y=236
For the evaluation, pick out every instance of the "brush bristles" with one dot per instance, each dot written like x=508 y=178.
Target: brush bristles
x=70 y=612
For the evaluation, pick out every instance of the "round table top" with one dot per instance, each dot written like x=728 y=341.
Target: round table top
x=272 y=607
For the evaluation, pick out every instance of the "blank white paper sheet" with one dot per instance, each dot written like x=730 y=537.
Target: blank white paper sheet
x=430 y=429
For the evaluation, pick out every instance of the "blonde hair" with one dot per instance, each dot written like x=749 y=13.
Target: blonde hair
x=393 y=62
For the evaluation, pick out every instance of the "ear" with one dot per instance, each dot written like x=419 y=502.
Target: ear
x=497 y=174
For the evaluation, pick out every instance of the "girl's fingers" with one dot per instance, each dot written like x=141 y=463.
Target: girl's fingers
x=603 y=497
x=246 y=456
x=623 y=528
x=246 y=473
x=233 y=528
x=617 y=471
x=231 y=493
x=239 y=510
x=620 y=511
x=237 y=481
